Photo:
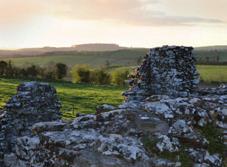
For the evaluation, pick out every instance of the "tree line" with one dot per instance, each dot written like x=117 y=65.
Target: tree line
x=102 y=76
x=53 y=72
x=58 y=71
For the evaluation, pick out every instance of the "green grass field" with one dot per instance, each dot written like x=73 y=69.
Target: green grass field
x=75 y=98
x=208 y=73
x=126 y=57
x=213 y=73
x=84 y=98
x=119 y=58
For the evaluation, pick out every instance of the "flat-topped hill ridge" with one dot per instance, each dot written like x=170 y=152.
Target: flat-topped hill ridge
x=98 y=54
x=167 y=120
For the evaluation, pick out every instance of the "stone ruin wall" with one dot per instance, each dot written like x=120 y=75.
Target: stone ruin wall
x=33 y=103
x=167 y=70
x=164 y=104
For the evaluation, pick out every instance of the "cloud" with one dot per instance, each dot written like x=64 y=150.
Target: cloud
x=18 y=11
x=166 y=20
x=136 y=12
x=133 y=12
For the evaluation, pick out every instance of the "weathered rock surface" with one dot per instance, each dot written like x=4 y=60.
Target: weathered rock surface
x=167 y=70
x=155 y=127
x=34 y=102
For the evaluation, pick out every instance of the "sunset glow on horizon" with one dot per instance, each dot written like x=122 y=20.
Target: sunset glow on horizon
x=132 y=23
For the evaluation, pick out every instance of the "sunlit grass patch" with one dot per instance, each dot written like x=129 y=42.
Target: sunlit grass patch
x=213 y=73
x=75 y=98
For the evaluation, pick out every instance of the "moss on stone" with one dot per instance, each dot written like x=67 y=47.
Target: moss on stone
x=181 y=156
x=185 y=160
x=215 y=137
x=149 y=144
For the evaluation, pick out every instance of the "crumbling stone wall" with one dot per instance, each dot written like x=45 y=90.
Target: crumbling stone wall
x=34 y=102
x=168 y=70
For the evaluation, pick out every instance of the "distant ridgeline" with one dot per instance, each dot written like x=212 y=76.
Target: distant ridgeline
x=97 y=47
x=98 y=54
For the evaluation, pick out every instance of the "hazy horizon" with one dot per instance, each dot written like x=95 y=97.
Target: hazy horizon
x=12 y=49
x=129 y=23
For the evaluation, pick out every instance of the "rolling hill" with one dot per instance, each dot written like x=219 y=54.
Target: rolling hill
x=98 y=55
x=27 y=52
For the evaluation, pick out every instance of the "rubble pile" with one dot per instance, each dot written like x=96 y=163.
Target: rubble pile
x=168 y=70
x=156 y=126
x=34 y=102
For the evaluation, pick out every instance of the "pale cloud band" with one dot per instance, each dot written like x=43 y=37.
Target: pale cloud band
x=134 y=12
x=142 y=23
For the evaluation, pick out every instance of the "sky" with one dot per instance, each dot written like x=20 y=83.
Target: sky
x=132 y=23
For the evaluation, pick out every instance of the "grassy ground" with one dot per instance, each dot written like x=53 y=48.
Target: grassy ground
x=213 y=73
x=74 y=97
x=84 y=98
x=121 y=57
x=208 y=73
x=127 y=57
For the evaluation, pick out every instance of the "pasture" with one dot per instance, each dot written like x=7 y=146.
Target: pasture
x=209 y=74
x=83 y=98
x=119 y=58
x=126 y=57
x=213 y=73
x=75 y=98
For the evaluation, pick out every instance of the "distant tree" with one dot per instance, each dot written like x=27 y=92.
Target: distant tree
x=217 y=58
x=49 y=72
x=139 y=60
x=81 y=73
x=61 y=70
x=9 y=69
x=200 y=60
x=107 y=64
x=207 y=59
x=119 y=76
x=23 y=73
x=49 y=75
x=3 y=67
x=16 y=72
x=100 y=76
x=32 y=71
